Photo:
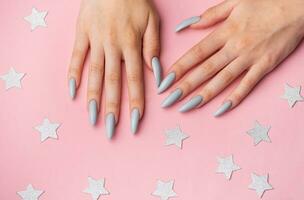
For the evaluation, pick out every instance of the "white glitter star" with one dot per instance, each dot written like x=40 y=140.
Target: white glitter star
x=47 y=130
x=96 y=188
x=36 y=18
x=164 y=190
x=227 y=166
x=259 y=184
x=292 y=95
x=259 y=133
x=175 y=136
x=12 y=79
x=30 y=193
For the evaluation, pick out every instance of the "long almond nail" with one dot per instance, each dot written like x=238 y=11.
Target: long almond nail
x=93 y=111
x=172 y=98
x=187 y=22
x=167 y=82
x=135 y=117
x=157 y=69
x=72 y=87
x=223 y=108
x=110 y=125
x=191 y=104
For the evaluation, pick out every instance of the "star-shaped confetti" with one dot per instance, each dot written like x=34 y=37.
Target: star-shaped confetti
x=227 y=166
x=96 y=188
x=47 y=130
x=12 y=79
x=164 y=190
x=36 y=18
x=259 y=133
x=259 y=184
x=30 y=193
x=292 y=95
x=175 y=136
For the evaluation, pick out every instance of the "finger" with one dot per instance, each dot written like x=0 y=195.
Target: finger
x=112 y=88
x=253 y=76
x=194 y=56
x=96 y=71
x=216 y=84
x=80 y=49
x=151 y=47
x=199 y=75
x=215 y=14
x=134 y=73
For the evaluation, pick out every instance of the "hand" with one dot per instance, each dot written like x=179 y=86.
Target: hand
x=255 y=36
x=115 y=31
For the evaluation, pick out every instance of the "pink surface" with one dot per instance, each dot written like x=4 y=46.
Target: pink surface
x=132 y=165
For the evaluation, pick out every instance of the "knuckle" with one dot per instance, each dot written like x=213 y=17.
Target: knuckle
x=113 y=77
x=209 y=68
x=95 y=68
x=197 y=51
x=132 y=41
x=207 y=93
x=186 y=86
x=226 y=75
x=134 y=78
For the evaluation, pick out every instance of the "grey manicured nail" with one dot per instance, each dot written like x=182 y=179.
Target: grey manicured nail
x=72 y=87
x=157 y=69
x=166 y=83
x=172 y=98
x=93 y=111
x=135 y=116
x=110 y=125
x=192 y=103
x=187 y=22
x=223 y=108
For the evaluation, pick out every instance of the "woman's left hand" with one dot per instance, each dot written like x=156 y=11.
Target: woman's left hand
x=255 y=37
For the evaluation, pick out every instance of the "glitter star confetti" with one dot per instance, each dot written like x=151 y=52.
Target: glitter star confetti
x=259 y=133
x=96 y=188
x=164 y=190
x=12 y=79
x=292 y=95
x=259 y=184
x=36 y=19
x=47 y=130
x=227 y=166
x=175 y=137
x=30 y=193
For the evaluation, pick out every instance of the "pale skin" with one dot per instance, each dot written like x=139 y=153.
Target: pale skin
x=253 y=37
x=112 y=32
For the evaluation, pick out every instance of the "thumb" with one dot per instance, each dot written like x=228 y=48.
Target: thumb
x=151 y=46
x=215 y=14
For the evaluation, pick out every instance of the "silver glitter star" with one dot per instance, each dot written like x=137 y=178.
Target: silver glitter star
x=30 y=193
x=259 y=184
x=36 y=18
x=259 y=133
x=227 y=166
x=292 y=95
x=96 y=188
x=47 y=130
x=164 y=190
x=175 y=136
x=12 y=79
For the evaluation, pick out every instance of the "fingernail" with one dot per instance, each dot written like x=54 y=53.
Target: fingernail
x=156 y=70
x=187 y=22
x=172 y=98
x=192 y=103
x=134 y=120
x=223 y=108
x=72 y=87
x=110 y=125
x=167 y=82
x=93 y=111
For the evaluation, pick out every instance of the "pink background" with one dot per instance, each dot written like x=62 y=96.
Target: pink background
x=133 y=164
